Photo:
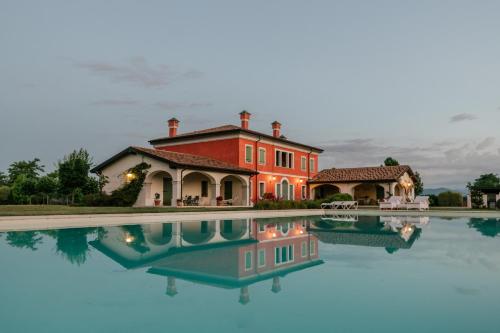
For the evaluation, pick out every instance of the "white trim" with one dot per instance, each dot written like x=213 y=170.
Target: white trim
x=251 y=154
x=288 y=187
x=281 y=174
x=261 y=194
x=258 y=258
x=265 y=155
x=251 y=260
x=303 y=159
x=313 y=169
x=288 y=158
x=233 y=136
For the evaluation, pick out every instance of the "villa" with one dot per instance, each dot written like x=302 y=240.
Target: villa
x=233 y=162
x=234 y=165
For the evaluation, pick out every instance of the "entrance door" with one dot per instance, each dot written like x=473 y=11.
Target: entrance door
x=285 y=189
x=167 y=191
x=228 y=190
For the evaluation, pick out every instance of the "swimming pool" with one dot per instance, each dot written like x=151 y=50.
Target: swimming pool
x=302 y=274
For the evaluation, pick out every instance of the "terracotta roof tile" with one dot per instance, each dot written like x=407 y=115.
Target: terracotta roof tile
x=180 y=159
x=382 y=173
x=227 y=129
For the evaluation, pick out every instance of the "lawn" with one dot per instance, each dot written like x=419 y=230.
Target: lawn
x=23 y=210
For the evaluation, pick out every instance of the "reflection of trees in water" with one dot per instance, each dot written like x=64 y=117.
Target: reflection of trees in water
x=136 y=238
x=24 y=239
x=72 y=244
x=487 y=227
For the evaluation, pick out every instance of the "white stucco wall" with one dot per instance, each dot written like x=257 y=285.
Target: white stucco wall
x=116 y=173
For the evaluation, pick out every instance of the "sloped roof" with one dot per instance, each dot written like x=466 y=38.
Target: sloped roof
x=228 y=129
x=178 y=160
x=364 y=174
x=370 y=239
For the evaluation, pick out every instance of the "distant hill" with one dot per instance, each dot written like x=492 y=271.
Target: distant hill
x=436 y=191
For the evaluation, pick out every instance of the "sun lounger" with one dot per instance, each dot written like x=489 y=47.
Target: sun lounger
x=420 y=203
x=393 y=202
x=345 y=205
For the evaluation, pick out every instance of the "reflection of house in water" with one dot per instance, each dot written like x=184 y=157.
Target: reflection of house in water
x=391 y=233
x=227 y=253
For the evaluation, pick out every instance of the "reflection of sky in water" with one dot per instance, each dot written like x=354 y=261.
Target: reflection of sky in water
x=447 y=280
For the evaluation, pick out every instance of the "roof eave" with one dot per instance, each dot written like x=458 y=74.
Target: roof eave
x=230 y=131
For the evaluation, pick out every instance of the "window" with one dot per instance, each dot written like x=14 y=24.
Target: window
x=303 y=192
x=262 y=257
x=291 y=193
x=262 y=227
x=262 y=189
x=312 y=249
x=303 y=249
x=248 y=260
x=204 y=188
x=262 y=156
x=284 y=159
x=278 y=190
x=311 y=165
x=303 y=163
x=283 y=254
x=228 y=190
x=248 y=153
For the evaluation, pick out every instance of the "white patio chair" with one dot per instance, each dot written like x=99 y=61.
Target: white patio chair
x=391 y=203
x=420 y=203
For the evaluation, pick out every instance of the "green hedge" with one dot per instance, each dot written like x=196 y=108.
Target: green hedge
x=450 y=199
x=300 y=204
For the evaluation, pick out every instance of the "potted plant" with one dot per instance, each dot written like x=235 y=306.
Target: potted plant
x=157 y=199
x=219 y=200
x=179 y=203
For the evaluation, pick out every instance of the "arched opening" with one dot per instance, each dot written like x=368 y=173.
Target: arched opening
x=159 y=234
x=286 y=190
x=398 y=190
x=325 y=190
x=368 y=193
x=233 y=229
x=198 y=189
x=198 y=232
x=161 y=184
x=233 y=190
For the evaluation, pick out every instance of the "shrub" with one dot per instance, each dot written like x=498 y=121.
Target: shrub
x=450 y=199
x=337 y=197
x=4 y=194
x=433 y=200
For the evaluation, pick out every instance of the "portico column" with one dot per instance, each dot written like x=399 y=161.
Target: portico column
x=215 y=190
x=176 y=191
x=145 y=198
x=485 y=200
x=392 y=188
x=246 y=195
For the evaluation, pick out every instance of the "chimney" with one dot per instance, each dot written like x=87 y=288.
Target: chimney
x=245 y=119
x=173 y=124
x=276 y=129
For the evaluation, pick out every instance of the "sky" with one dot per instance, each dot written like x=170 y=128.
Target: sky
x=415 y=80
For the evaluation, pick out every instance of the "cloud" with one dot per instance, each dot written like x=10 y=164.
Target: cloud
x=139 y=72
x=442 y=163
x=462 y=117
x=172 y=106
x=116 y=102
x=486 y=143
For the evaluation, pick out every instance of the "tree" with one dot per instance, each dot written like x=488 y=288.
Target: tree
x=30 y=169
x=4 y=194
x=73 y=172
x=24 y=239
x=4 y=179
x=47 y=186
x=419 y=185
x=389 y=161
x=23 y=189
x=450 y=199
x=487 y=180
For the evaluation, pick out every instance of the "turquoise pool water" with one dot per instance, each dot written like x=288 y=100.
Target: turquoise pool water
x=303 y=274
